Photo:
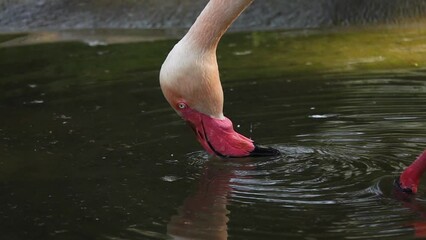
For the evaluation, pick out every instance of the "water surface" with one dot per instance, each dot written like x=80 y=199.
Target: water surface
x=89 y=149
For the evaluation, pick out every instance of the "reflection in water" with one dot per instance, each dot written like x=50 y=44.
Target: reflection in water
x=405 y=188
x=204 y=214
x=417 y=206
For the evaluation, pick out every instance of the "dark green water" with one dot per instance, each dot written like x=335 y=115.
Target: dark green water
x=89 y=149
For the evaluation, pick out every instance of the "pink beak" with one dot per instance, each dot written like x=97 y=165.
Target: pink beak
x=410 y=178
x=218 y=137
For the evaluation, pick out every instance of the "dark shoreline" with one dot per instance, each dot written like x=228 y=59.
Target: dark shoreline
x=36 y=15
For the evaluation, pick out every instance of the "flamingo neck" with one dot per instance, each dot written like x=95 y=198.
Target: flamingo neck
x=213 y=22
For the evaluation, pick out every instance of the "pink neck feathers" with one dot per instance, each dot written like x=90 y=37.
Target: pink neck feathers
x=214 y=20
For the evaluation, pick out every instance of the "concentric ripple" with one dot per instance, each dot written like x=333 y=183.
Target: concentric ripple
x=353 y=137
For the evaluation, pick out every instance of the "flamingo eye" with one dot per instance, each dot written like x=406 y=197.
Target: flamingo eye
x=182 y=105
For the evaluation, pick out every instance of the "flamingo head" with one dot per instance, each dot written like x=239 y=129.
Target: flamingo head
x=192 y=87
x=409 y=180
x=217 y=135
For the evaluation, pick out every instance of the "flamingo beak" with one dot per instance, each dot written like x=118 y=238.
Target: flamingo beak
x=405 y=188
x=262 y=151
x=218 y=137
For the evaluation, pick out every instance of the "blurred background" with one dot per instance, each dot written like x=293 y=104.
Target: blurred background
x=30 y=15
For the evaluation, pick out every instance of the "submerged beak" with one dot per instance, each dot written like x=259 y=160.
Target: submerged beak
x=218 y=137
x=261 y=151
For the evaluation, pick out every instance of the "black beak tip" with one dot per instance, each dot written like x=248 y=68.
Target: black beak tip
x=398 y=186
x=261 y=151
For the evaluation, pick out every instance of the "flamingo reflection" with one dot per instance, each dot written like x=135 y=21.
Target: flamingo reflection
x=204 y=214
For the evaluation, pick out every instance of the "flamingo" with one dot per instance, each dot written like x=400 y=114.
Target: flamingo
x=190 y=82
x=409 y=179
x=189 y=79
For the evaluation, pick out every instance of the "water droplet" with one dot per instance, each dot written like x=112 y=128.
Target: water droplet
x=62 y=116
x=94 y=43
x=322 y=115
x=100 y=53
x=243 y=53
x=37 y=102
x=170 y=178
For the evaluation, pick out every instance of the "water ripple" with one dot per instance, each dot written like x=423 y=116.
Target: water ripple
x=337 y=174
